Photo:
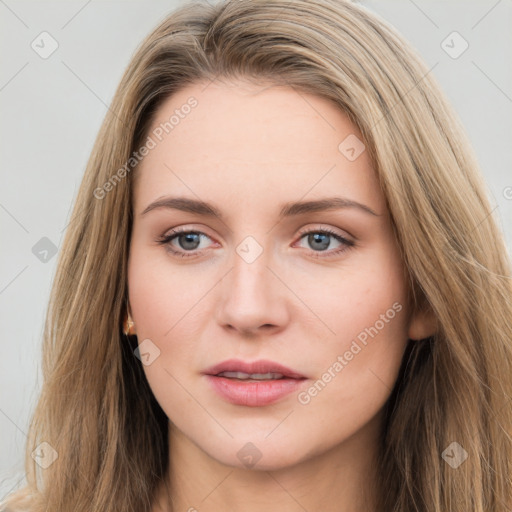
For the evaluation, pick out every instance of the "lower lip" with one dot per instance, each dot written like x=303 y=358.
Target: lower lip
x=253 y=394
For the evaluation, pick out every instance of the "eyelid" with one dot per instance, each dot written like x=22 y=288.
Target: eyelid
x=173 y=233
x=170 y=235
x=329 y=229
x=302 y=231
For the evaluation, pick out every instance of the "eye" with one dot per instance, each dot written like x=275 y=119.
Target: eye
x=187 y=241
x=320 y=239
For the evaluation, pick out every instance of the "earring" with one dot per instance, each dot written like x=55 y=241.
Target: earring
x=128 y=325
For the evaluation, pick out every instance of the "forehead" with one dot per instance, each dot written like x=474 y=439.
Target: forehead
x=239 y=140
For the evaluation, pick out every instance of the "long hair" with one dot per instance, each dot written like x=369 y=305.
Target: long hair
x=453 y=394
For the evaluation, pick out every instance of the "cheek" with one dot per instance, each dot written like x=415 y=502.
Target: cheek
x=350 y=299
x=161 y=299
x=355 y=381
x=358 y=363
x=170 y=304
x=160 y=293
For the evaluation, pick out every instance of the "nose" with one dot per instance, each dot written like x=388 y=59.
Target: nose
x=252 y=297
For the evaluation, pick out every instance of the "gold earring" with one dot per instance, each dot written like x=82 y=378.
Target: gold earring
x=128 y=325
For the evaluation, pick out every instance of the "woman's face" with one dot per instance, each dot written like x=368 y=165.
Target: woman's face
x=320 y=291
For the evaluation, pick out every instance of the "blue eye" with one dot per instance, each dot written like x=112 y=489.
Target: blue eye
x=321 y=238
x=189 y=241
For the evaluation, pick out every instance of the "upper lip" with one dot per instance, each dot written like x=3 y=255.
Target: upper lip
x=260 y=366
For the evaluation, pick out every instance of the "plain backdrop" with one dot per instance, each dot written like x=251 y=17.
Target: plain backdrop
x=51 y=110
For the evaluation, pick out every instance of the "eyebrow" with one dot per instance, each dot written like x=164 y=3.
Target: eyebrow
x=288 y=210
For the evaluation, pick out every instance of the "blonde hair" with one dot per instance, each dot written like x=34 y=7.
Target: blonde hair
x=96 y=408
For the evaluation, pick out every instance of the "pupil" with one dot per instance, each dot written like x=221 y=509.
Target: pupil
x=323 y=238
x=190 y=238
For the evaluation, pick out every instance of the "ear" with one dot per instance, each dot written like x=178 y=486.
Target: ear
x=422 y=324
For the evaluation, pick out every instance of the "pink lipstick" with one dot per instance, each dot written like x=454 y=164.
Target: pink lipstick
x=253 y=384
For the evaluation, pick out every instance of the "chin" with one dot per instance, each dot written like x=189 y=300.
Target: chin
x=257 y=455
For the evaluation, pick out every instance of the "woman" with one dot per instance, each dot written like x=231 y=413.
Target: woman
x=283 y=287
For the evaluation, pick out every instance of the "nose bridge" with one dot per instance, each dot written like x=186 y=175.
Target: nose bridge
x=250 y=274
x=250 y=296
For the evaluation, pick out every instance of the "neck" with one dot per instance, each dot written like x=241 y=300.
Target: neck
x=342 y=479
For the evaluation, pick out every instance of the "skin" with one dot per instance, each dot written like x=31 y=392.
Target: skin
x=248 y=150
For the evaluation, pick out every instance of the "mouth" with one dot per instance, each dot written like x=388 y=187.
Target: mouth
x=251 y=377
x=254 y=384
x=256 y=370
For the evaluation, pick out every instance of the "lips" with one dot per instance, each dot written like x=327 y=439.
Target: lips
x=254 y=384
x=256 y=368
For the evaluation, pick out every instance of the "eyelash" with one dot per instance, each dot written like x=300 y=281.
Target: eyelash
x=166 y=240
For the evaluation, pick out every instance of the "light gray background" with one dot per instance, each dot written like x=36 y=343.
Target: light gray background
x=52 y=109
